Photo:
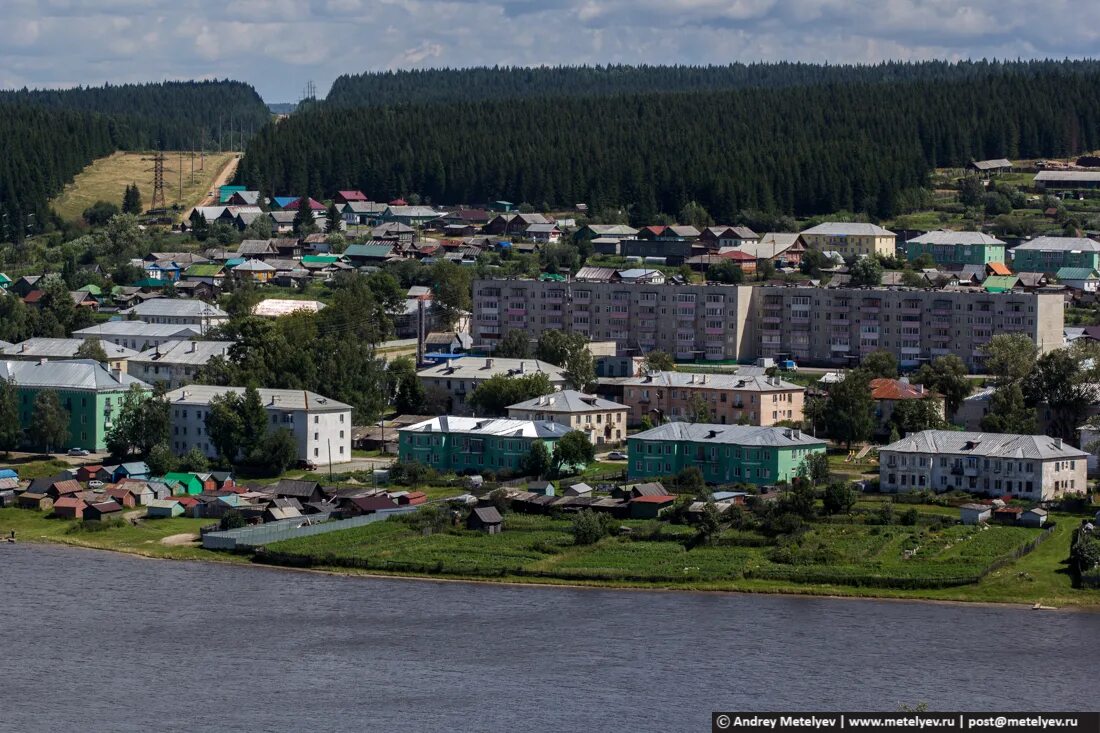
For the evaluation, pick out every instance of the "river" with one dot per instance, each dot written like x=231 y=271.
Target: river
x=99 y=641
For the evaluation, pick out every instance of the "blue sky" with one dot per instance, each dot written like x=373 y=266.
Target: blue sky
x=277 y=45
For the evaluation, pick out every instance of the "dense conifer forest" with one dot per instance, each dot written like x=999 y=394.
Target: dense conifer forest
x=50 y=135
x=840 y=139
x=415 y=86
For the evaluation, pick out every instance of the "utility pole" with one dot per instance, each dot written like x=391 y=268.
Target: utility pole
x=180 y=199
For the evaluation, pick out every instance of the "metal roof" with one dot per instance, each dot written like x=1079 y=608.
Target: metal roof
x=956 y=238
x=473 y=367
x=1059 y=244
x=752 y=379
x=273 y=307
x=184 y=307
x=1067 y=176
x=730 y=435
x=137 y=329
x=497 y=427
x=568 y=400
x=276 y=399
x=848 y=228
x=190 y=352
x=74 y=374
x=986 y=445
x=51 y=348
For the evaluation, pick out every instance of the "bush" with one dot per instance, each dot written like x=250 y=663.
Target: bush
x=590 y=527
x=96 y=525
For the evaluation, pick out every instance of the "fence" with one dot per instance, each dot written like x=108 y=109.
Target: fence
x=248 y=538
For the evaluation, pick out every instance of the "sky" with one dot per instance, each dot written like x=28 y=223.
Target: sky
x=279 y=45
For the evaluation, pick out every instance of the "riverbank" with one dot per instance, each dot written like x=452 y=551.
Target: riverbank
x=1038 y=577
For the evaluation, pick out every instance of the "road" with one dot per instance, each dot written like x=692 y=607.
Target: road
x=224 y=177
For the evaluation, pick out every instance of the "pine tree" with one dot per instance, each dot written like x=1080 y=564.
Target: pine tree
x=332 y=219
x=131 y=200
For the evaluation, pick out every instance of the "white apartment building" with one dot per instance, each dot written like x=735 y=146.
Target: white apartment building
x=1035 y=467
x=175 y=363
x=321 y=426
x=179 y=312
x=136 y=335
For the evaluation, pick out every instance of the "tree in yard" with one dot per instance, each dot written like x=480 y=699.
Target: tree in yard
x=407 y=391
x=224 y=425
x=865 y=272
x=698 y=409
x=451 y=288
x=161 y=460
x=131 y=200
x=590 y=527
x=10 y=431
x=555 y=346
x=573 y=449
x=580 y=370
x=659 y=361
x=275 y=453
x=800 y=500
x=885 y=514
x=495 y=394
x=947 y=376
x=253 y=421
x=913 y=416
x=1009 y=357
x=537 y=462
x=304 y=223
x=232 y=519
x=814 y=469
x=49 y=428
x=499 y=499
x=840 y=497
x=971 y=191
x=99 y=213
x=332 y=219
x=710 y=523
x=1057 y=381
x=726 y=271
x=516 y=344
x=194 y=461
x=693 y=214
x=849 y=414
x=92 y=349
x=142 y=422
x=880 y=364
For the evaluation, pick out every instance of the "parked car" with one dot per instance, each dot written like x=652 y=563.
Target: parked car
x=307 y=465
x=95 y=484
x=616 y=455
x=78 y=452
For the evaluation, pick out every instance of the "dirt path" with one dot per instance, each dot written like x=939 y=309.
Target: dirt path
x=180 y=539
x=224 y=176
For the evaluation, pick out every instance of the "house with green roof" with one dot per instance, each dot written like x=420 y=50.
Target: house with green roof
x=365 y=254
x=724 y=453
x=1085 y=279
x=1000 y=283
x=183 y=483
x=5 y=281
x=208 y=272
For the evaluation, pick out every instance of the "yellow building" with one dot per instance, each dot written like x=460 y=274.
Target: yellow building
x=851 y=238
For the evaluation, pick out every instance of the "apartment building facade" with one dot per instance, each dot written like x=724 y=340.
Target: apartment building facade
x=1050 y=254
x=851 y=239
x=470 y=444
x=688 y=321
x=321 y=426
x=726 y=399
x=956 y=248
x=1034 y=467
x=603 y=421
x=814 y=326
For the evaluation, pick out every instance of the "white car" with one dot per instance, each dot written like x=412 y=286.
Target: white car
x=616 y=455
x=78 y=452
x=95 y=484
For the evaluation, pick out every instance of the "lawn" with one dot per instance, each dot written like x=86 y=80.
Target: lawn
x=896 y=559
x=142 y=539
x=106 y=179
x=36 y=469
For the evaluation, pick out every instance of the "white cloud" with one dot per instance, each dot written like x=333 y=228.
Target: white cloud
x=280 y=44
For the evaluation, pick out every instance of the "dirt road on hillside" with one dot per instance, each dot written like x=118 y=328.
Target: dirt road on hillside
x=224 y=176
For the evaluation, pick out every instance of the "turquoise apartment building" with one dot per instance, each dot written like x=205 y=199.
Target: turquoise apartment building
x=956 y=248
x=90 y=392
x=724 y=453
x=473 y=444
x=1051 y=254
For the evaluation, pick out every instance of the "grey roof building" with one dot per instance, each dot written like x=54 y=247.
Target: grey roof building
x=175 y=363
x=1035 y=467
x=58 y=348
x=603 y=421
x=179 y=312
x=136 y=335
x=745 y=435
x=68 y=375
x=460 y=377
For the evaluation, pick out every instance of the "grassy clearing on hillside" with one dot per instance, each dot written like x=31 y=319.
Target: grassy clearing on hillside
x=107 y=178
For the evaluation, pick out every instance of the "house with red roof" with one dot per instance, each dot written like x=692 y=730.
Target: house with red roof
x=346 y=197
x=69 y=507
x=650 y=507
x=314 y=204
x=888 y=393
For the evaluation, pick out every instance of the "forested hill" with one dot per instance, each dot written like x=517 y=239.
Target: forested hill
x=42 y=150
x=177 y=114
x=377 y=89
x=805 y=150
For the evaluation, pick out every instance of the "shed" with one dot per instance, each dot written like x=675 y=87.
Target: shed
x=975 y=513
x=186 y=483
x=101 y=510
x=1007 y=514
x=1034 y=517
x=485 y=519
x=303 y=491
x=581 y=489
x=69 y=507
x=28 y=500
x=164 y=509
x=650 y=507
x=543 y=488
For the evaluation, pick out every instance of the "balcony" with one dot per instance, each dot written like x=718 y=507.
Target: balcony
x=800 y=316
x=772 y=319
x=711 y=331
x=516 y=311
x=840 y=347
